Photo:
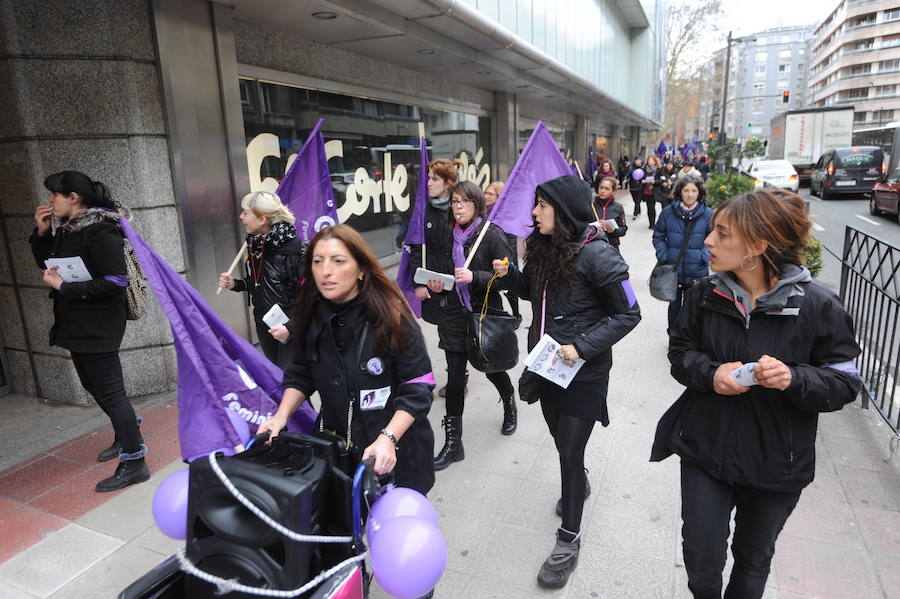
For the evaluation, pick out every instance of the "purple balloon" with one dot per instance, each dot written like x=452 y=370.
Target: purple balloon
x=399 y=502
x=240 y=425
x=638 y=174
x=170 y=503
x=408 y=556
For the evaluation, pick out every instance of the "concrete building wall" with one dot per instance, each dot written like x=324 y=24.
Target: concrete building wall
x=80 y=92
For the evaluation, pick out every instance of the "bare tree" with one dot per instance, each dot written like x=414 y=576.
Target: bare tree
x=693 y=28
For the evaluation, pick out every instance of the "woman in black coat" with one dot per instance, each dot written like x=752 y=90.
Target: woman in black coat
x=747 y=440
x=272 y=264
x=606 y=208
x=580 y=296
x=89 y=316
x=358 y=345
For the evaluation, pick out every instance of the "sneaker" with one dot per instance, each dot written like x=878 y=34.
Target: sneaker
x=555 y=572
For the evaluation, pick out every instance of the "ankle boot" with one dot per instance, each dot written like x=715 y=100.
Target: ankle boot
x=129 y=472
x=453 y=448
x=510 y=414
x=587 y=493
x=554 y=574
x=110 y=452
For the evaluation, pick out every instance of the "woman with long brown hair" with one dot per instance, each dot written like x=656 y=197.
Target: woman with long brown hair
x=358 y=345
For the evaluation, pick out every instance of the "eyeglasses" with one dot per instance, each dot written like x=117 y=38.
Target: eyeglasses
x=461 y=202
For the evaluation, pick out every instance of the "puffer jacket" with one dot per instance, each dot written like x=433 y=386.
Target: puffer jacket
x=89 y=316
x=278 y=283
x=764 y=438
x=668 y=237
x=611 y=209
x=331 y=359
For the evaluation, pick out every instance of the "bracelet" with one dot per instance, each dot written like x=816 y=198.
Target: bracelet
x=389 y=435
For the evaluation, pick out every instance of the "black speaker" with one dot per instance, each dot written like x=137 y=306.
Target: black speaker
x=290 y=483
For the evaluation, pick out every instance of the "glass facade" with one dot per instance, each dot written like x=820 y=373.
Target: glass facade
x=361 y=134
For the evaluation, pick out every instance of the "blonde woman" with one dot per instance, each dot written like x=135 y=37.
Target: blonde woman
x=491 y=194
x=272 y=265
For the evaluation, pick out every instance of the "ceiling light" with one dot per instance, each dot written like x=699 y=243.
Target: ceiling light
x=523 y=86
x=426 y=51
x=324 y=15
x=484 y=72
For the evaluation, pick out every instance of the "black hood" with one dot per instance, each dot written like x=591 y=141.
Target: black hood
x=571 y=196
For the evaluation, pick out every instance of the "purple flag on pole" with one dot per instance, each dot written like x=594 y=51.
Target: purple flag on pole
x=306 y=187
x=540 y=161
x=217 y=369
x=415 y=235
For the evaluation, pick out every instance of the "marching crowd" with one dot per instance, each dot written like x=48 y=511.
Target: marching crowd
x=760 y=348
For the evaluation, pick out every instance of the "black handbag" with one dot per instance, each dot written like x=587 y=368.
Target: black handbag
x=491 y=343
x=530 y=383
x=664 y=278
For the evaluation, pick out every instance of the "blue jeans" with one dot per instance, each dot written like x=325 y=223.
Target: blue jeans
x=706 y=505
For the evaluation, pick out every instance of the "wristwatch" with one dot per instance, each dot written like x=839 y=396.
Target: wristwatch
x=387 y=433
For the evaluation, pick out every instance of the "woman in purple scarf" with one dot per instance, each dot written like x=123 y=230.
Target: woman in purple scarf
x=467 y=211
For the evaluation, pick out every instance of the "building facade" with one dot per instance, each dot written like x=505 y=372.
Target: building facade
x=855 y=61
x=183 y=106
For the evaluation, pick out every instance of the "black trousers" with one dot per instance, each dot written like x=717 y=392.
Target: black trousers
x=456 y=383
x=278 y=353
x=101 y=376
x=651 y=209
x=637 y=195
x=706 y=505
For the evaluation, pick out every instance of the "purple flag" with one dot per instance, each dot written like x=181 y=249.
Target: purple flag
x=592 y=167
x=415 y=235
x=217 y=369
x=540 y=161
x=306 y=187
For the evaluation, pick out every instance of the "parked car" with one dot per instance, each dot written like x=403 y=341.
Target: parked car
x=846 y=171
x=886 y=195
x=775 y=173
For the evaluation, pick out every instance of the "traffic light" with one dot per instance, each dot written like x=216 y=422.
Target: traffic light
x=749 y=125
x=785 y=97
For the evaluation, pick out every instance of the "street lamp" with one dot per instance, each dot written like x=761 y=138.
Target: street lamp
x=722 y=137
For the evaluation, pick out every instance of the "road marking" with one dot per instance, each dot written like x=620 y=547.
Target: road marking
x=868 y=220
x=817 y=226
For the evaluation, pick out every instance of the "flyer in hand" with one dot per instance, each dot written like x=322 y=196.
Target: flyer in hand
x=545 y=360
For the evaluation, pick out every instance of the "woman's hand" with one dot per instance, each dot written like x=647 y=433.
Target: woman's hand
x=724 y=383
x=501 y=267
x=435 y=285
x=384 y=452
x=608 y=227
x=422 y=294
x=52 y=278
x=273 y=425
x=280 y=332
x=226 y=281
x=42 y=217
x=772 y=373
x=569 y=354
x=463 y=275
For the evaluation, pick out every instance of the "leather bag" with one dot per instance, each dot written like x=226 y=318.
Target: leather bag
x=491 y=343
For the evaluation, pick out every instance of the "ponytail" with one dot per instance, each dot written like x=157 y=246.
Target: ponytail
x=268 y=206
x=93 y=194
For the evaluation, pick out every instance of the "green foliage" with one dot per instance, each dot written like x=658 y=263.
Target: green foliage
x=753 y=148
x=812 y=256
x=723 y=187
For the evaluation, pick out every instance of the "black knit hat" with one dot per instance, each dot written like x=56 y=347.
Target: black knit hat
x=571 y=196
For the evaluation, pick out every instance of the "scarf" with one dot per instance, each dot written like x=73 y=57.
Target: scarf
x=460 y=237
x=279 y=234
x=440 y=203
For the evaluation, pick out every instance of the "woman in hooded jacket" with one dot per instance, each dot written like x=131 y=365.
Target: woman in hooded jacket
x=684 y=224
x=581 y=297
x=274 y=256
x=82 y=221
x=761 y=350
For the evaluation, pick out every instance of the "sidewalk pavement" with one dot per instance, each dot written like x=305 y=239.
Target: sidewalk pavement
x=62 y=540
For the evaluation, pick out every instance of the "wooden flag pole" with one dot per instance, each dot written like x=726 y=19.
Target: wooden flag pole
x=234 y=263
x=421 y=143
x=578 y=168
x=471 y=255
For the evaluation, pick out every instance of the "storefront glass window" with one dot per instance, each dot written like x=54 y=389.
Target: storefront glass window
x=359 y=133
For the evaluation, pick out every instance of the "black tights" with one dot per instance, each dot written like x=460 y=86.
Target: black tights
x=456 y=383
x=571 y=435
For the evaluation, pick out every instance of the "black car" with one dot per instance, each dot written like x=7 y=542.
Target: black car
x=847 y=171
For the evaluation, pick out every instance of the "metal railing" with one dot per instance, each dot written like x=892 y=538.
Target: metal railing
x=870 y=292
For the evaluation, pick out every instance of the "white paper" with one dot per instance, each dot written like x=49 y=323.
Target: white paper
x=612 y=223
x=744 y=374
x=545 y=361
x=423 y=275
x=72 y=270
x=275 y=317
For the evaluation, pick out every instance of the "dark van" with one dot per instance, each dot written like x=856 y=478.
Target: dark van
x=846 y=171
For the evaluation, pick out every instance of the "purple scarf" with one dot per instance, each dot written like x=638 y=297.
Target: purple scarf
x=460 y=238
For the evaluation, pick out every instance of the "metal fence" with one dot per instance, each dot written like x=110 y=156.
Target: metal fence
x=870 y=292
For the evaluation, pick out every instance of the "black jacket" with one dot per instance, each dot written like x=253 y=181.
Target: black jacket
x=592 y=309
x=278 y=281
x=438 y=255
x=331 y=357
x=764 y=438
x=89 y=317
x=494 y=246
x=612 y=209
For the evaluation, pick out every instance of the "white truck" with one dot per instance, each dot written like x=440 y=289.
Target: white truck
x=801 y=136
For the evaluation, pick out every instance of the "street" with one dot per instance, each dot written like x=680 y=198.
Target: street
x=829 y=221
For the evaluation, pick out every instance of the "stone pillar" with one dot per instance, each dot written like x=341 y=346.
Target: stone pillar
x=80 y=92
x=507 y=127
x=581 y=140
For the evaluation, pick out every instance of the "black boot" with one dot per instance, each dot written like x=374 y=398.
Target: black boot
x=110 y=452
x=129 y=472
x=554 y=574
x=510 y=414
x=587 y=493
x=453 y=448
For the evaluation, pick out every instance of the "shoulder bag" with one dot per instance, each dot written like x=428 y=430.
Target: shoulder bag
x=136 y=294
x=664 y=278
x=491 y=343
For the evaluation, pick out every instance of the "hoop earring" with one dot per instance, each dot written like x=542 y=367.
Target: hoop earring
x=755 y=262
